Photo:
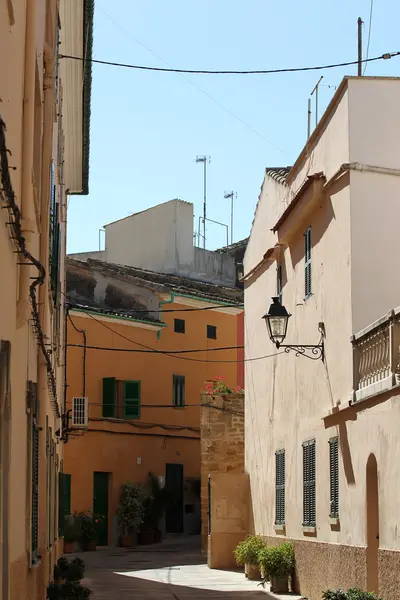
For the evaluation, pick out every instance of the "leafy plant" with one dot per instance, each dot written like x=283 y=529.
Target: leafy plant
x=219 y=387
x=68 y=591
x=351 y=594
x=246 y=552
x=277 y=561
x=131 y=509
x=71 y=533
x=334 y=595
x=69 y=570
x=156 y=502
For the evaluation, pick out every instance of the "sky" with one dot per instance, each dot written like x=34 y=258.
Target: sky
x=147 y=128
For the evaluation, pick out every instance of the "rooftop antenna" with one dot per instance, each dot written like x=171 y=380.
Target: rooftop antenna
x=204 y=160
x=316 y=98
x=359 y=38
x=231 y=195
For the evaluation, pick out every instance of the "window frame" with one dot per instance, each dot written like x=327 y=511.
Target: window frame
x=334 y=477
x=178 y=385
x=124 y=399
x=309 y=483
x=307 y=264
x=280 y=482
x=180 y=321
x=214 y=329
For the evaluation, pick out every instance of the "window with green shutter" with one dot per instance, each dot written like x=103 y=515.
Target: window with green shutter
x=307 y=263
x=309 y=516
x=334 y=476
x=280 y=487
x=64 y=499
x=178 y=390
x=131 y=399
x=109 y=396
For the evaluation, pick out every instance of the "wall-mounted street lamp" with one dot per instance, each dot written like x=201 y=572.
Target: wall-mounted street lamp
x=277 y=319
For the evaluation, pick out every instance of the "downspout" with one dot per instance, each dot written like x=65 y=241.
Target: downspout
x=28 y=122
x=160 y=305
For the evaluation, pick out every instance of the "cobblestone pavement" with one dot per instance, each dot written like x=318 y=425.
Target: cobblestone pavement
x=173 y=570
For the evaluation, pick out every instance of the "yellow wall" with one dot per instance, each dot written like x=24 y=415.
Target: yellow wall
x=117 y=453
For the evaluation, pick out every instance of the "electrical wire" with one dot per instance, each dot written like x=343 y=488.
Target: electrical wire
x=384 y=56
x=166 y=310
x=83 y=332
x=369 y=33
x=155 y=351
x=143 y=406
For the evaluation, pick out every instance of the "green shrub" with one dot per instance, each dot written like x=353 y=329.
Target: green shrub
x=246 y=552
x=334 y=595
x=277 y=561
x=351 y=594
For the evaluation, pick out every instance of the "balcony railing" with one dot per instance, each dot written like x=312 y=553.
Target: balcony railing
x=376 y=357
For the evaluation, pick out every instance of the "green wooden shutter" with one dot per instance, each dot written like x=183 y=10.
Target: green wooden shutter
x=178 y=390
x=109 y=396
x=131 y=399
x=64 y=500
x=334 y=477
x=35 y=492
x=309 y=512
x=307 y=263
x=280 y=487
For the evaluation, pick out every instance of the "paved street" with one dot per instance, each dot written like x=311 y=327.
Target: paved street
x=174 y=570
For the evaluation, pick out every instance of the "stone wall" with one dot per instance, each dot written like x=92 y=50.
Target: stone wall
x=222 y=443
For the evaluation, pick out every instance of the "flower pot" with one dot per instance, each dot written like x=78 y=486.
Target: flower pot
x=126 y=541
x=252 y=572
x=280 y=584
x=90 y=546
x=68 y=547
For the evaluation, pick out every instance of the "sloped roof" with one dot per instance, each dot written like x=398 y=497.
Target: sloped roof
x=233 y=247
x=278 y=173
x=145 y=317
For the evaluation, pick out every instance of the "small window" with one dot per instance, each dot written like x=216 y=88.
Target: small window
x=131 y=399
x=334 y=476
x=309 y=516
x=280 y=487
x=212 y=332
x=178 y=390
x=179 y=325
x=279 y=283
x=307 y=263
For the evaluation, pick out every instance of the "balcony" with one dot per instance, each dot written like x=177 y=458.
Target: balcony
x=376 y=357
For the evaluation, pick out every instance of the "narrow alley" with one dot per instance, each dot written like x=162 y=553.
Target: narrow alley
x=173 y=570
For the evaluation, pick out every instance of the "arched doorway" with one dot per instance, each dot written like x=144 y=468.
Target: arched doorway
x=372 y=500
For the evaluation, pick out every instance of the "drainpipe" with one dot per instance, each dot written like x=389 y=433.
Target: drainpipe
x=356 y=166
x=160 y=305
x=28 y=122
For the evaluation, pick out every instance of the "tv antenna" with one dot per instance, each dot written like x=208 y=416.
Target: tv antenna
x=232 y=195
x=204 y=160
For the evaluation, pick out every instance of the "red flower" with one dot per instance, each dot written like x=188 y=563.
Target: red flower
x=96 y=520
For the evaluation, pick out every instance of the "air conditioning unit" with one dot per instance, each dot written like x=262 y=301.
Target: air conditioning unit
x=80 y=413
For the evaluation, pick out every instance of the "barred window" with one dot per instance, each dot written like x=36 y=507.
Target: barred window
x=309 y=517
x=334 y=476
x=307 y=263
x=280 y=487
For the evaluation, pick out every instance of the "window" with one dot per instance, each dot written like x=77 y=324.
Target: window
x=309 y=518
x=307 y=263
x=212 y=332
x=109 y=396
x=131 y=399
x=54 y=238
x=334 y=476
x=178 y=391
x=280 y=487
x=279 y=282
x=179 y=326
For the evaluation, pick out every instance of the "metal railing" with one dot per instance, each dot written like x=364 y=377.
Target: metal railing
x=376 y=357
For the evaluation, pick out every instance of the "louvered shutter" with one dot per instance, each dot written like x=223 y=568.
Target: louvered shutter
x=131 y=399
x=307 y=263
x=280 y=487
x=334 y=477
x=35 y=492
x=109 y=396
x=178 y=385
x=309 y=511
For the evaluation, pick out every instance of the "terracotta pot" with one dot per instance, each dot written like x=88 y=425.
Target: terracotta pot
x=90 y=546
x=126 y=541
x=252 y=572
x=68 y=547
x=280 y=585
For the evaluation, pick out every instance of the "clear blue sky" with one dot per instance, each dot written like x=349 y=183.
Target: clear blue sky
x=146 y=128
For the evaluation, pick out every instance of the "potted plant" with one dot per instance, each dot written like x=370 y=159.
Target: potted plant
x=246 y=554
x=155 y=505
x=70 y=534
x=277 y=562
x=130 y=512
x=88 y=531
x=67 y=577
x=351 y=594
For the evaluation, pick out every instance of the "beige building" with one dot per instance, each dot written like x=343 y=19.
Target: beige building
x=321 y=436
x=44 y=133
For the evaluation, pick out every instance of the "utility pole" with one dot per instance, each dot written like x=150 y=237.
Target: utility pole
x=204 y=160
x=231 y=195
x=360 y=24
x=309 y=119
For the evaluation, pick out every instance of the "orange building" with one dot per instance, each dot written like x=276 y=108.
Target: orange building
x=128 y=332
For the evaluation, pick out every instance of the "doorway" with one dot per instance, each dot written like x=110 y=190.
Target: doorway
x=174 y=485
x=372 y=501
x=100 y=505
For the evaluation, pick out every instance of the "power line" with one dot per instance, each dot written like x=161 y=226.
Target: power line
x=155 y=351
x=166 y=310
x=385 y=56
x=369 y=32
